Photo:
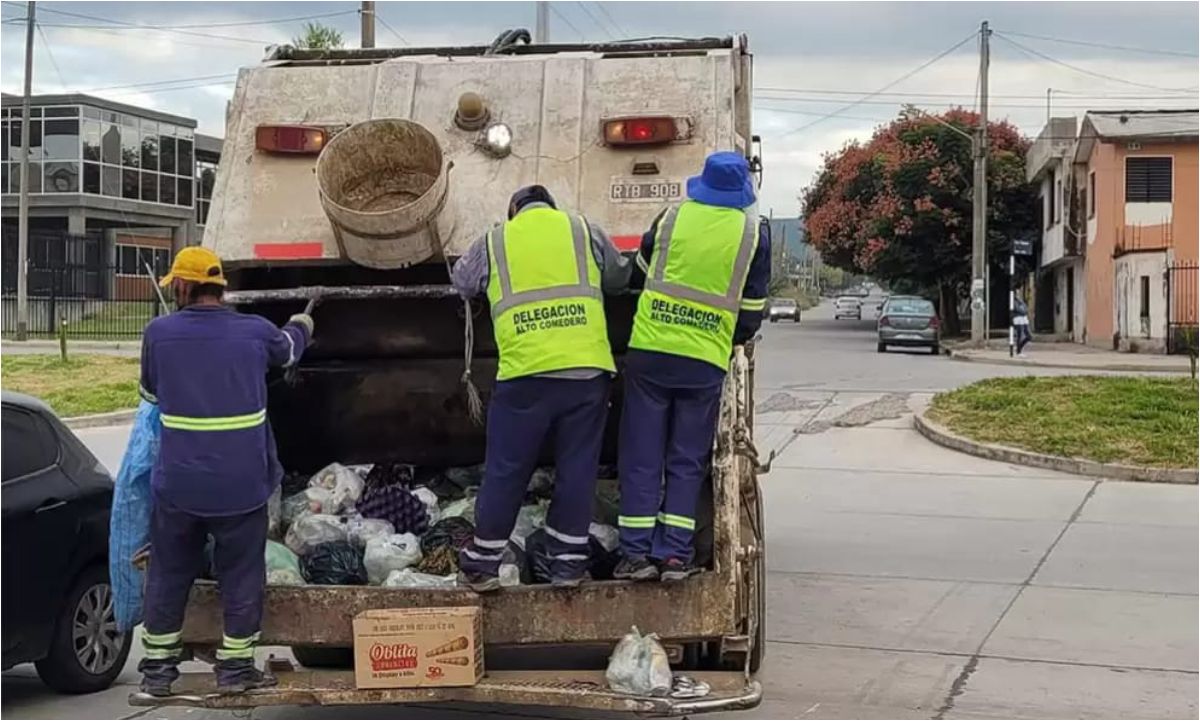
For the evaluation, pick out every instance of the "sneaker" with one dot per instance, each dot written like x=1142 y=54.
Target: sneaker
x=635 y=568
x=479 y=582
x=240 y=676
x=157 y=676
x=674 y=569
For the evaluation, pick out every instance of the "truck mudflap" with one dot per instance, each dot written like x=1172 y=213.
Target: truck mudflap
x=730 y=691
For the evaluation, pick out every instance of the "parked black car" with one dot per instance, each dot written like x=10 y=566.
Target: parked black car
x=57 y=600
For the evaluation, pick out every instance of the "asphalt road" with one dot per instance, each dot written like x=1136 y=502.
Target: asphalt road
x=907 y=580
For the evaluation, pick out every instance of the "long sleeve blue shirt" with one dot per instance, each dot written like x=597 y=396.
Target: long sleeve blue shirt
x=205 y=366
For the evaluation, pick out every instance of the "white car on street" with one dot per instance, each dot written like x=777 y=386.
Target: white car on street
x=847 y=306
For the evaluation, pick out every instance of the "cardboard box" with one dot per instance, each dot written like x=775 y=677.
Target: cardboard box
x=411 y=647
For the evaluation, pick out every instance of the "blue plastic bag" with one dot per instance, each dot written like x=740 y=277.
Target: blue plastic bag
x=129 y=525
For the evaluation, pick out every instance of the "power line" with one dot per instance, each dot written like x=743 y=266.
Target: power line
x=936 y=94
x=239 y=23
x=595 y=20
x=159 y=82
x=1085 y=71
x=895 y=82
x=388 y=25
x=50 y=53
x=942 y=104
x=150 y=27
x=565 y=20
x=1107 y=46
x=601 y=8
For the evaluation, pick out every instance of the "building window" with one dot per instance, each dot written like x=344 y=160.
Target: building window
x=1052 y=203
x=1145 y=306
x=61 y=177
x=1058 y=193
x=132 y=260
x=1148 y=180
x=206 y=176
x=1092 y=194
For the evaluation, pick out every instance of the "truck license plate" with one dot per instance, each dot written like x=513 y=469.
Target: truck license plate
x=624 y=190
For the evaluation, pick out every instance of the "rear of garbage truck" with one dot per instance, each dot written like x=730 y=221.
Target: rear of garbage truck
x=355 y=178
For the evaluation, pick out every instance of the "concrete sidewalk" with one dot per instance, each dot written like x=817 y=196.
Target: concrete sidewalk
x=1073 y=355
x=131 y=347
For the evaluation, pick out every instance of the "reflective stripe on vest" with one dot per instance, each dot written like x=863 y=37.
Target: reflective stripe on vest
x=217 y=423
x=544 y=289
x=509 y=299
x=693 y=292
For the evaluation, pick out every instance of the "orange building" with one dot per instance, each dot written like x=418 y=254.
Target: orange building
x=1130 y=234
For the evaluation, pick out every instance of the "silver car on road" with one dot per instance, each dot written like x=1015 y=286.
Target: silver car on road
x=909 y=321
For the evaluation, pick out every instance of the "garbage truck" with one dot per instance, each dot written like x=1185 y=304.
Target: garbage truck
x=350 y=180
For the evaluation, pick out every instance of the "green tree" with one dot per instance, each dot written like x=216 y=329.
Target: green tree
x=319 y=37
x=898 y=207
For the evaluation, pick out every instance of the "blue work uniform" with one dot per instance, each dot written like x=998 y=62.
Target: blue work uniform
x=668 y=422
x=205 y=366
x=569 y=406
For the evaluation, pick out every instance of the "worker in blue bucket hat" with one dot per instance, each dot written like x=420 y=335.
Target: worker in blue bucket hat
x=707 y=265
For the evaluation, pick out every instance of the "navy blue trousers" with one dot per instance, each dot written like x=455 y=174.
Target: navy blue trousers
x=177 y=541
x=665 y=445
x=523 y=414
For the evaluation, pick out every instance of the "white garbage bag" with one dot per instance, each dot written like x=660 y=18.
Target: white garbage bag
x=390 y=553
x=430 y=499
x=408 y=578
x=638 y=666
x=345 y=485
x=361 y=530
x=312 y=529
x=529 y=519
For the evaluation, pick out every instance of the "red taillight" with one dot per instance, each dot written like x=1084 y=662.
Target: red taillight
x=935 y=322
x=289 y=139
x=639 y=131
x=884 y=320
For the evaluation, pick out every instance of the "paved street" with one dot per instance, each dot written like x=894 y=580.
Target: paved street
x=908 y=580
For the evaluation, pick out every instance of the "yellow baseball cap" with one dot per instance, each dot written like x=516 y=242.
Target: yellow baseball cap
x=196 y=264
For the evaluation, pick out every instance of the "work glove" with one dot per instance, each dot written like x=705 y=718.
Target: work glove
x=304 y=319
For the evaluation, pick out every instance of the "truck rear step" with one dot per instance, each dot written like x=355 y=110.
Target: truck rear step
x=565 y=689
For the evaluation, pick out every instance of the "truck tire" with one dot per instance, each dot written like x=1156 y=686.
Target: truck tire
x=86 y=652
x=324 y=657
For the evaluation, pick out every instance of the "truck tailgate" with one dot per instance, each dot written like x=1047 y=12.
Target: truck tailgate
x=731 y=690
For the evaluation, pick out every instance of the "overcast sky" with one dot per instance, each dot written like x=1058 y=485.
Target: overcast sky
x=819 y=56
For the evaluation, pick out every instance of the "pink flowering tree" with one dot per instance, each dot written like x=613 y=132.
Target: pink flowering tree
x=898 y=207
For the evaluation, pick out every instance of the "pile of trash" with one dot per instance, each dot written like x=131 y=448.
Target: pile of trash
x=401 y=526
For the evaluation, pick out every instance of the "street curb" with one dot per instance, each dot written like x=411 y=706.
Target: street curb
x=943 y=436
x=76 y=344
x=960 y=355
x=115 y=418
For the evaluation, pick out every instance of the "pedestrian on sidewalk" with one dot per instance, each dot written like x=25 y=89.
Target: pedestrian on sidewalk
x=205 y=366
x=1020 y=321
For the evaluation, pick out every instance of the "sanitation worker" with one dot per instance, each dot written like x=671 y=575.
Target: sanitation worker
x=544 y=273
x=205 y=366
x=707 y=265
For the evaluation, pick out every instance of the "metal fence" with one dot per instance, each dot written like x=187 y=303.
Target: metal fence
x=76 y=280
x=1182 y=307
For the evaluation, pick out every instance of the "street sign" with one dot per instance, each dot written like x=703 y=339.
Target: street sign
x=1021 y=246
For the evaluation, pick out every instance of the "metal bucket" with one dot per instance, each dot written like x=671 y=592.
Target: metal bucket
x=383 y=184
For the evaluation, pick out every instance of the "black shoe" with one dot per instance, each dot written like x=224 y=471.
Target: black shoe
x=240 y=676
x=157 y=676
x=479 y=582
x=674 y=569
x=635 y=568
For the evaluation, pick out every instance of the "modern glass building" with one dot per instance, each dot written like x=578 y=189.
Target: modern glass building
x=114 y=191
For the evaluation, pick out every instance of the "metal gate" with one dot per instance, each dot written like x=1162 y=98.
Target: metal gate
x=1181 y=307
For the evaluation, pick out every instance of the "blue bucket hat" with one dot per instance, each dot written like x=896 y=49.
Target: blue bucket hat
x=725 y=181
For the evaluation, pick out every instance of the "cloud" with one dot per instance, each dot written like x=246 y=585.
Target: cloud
x=833 y=52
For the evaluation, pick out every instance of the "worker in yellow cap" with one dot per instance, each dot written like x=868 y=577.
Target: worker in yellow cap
x=205 y=366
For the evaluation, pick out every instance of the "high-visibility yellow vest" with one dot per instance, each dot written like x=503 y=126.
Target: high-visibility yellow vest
x=544 y=290
x=694 y=282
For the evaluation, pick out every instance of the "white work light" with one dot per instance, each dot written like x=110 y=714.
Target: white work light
x=497 y=140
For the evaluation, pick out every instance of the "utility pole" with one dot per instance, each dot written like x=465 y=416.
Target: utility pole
x=367 y=16
x=23 y=203
x=541 y=33
x=979 y=295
